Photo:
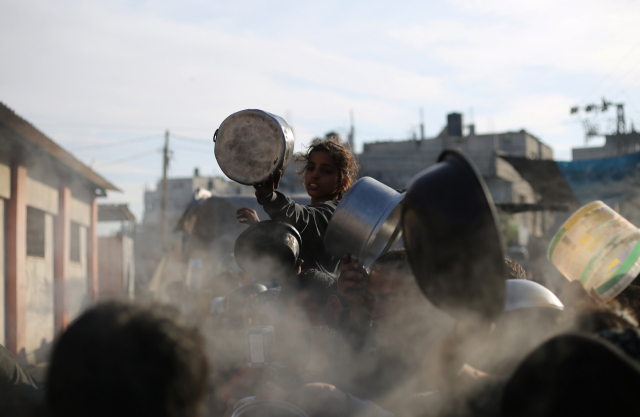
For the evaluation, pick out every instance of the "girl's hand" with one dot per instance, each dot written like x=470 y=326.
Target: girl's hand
x=266 y=189
x=248 y=216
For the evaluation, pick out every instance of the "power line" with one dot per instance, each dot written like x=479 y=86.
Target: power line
x=188 y=139
x=606 y=77
x=623 y=77
x=203 y=152
x=129 y=158
x=108 y=126
x=117 y=143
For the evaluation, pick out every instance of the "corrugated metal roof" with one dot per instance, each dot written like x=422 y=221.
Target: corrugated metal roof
x=10 y=120
x=545 y=178
x=115 y=213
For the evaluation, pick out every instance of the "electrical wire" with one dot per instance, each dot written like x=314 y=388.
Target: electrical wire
x=128 y=158
x=194 y=140
x=200 y=151
x=120 y=127
x=117 y=143
x=621 y=80
x=606 y=78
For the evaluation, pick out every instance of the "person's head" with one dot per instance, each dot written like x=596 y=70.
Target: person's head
x=119 y=359
x=515 y=270
x=311 y=299
x=225 y=282
x=236 y=301
x=228 y=265
x=396 y=295
x=588 y=312
x=328 y=169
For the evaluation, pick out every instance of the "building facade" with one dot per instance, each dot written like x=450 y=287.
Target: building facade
x=615 y=145
x=180 y=193
x=48 y=248
x=395 y=162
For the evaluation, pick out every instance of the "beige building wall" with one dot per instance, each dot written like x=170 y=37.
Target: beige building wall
x=39 y=299
x=80 y=207
x=42 y=189
x=2 y=273
x=42 y=194
x=77 y=291
x=5 y=177
x=5 y=194
x=76 y=284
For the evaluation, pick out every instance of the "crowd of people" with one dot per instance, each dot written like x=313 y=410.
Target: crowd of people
x=332 y=338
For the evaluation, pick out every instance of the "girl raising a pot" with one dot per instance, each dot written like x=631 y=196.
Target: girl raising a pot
x=328 y=170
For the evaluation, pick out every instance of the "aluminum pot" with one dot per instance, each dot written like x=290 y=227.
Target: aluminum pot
x=453 y=243
x=251 y=144
x=268 y=408
x=528 y=294
x=366 y=222
x=268 y=250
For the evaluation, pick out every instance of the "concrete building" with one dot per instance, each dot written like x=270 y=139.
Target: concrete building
x=180 y=193
x=48 y=248
x=615 y=145
x=396 y=162
x=116 y=264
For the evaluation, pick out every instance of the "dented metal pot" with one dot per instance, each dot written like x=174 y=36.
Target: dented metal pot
x=251 y=144
x=366 y=223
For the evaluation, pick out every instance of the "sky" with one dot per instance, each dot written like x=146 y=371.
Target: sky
x=106 y=79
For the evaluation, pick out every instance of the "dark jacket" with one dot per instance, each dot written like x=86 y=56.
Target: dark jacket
x=311 y=222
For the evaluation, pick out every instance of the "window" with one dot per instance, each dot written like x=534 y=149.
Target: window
x=35 y=232
x=74 y=242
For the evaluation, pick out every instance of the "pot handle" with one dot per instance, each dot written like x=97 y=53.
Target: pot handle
x=215 y=136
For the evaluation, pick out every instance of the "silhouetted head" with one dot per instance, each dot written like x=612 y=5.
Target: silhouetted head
x=119 y=359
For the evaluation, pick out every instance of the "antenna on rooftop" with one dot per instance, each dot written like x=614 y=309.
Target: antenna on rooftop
x=591 y=127
x=421 y=124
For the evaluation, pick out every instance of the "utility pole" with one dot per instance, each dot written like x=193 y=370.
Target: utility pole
x=351 y=132
x=165 y=166
x=421 y=124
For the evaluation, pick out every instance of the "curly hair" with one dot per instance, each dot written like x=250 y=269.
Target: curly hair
x=345 y=160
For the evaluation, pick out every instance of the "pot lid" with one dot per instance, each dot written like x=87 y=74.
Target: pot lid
x=268 y=249
x=452 y=238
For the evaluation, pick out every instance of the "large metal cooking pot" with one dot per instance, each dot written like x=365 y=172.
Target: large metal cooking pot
x=268 y=250
x=366 y=222
x=251 y=144
x=528 y=294
x=452 y=240
x=268 y=408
